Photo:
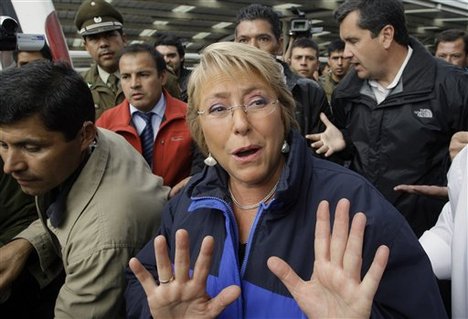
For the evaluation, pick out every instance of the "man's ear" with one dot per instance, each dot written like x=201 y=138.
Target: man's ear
x=87 y=135
x=386 y=35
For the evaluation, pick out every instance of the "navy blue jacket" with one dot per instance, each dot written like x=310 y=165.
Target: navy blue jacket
x=285 y=228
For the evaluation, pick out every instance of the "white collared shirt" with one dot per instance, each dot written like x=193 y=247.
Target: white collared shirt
x=159 y=109
x=104 y=75
x=382 y=92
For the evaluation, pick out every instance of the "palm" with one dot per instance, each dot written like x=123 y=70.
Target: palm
x=335 y=289
x=184 y=296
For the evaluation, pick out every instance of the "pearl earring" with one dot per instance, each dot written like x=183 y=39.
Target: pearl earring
x=285 y=147
x=210 y=161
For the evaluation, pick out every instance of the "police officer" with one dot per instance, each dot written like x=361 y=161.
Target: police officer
x=101 y=27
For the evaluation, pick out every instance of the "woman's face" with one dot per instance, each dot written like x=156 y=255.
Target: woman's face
x=246 y=145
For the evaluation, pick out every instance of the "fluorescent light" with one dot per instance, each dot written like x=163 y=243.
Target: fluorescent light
x=160 y=22
x=137 y=41
x=319 y=34
x=450 y=19
x=221 y=25
x=183 y=9
x=422 y=10
x=147 y=32
x=286 y=6
x=201 y=35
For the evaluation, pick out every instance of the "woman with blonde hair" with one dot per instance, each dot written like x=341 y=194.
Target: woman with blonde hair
x=250 y=215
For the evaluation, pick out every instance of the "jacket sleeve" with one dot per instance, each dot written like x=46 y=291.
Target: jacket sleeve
x=49 y=265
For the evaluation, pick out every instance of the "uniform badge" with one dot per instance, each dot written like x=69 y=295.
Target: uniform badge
x=97 y=19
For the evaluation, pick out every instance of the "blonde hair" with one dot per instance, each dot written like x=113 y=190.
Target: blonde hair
x=228 y=58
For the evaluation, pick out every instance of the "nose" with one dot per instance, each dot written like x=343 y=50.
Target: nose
x=253 y=42
x=347 y=52
x=12 y=162
x=134 y=82
x=240 y=122
x=340 y=60
x=103 y=43
x=303 y=61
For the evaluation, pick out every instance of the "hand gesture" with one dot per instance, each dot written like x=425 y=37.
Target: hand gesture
x=177 y=295
x=427 y=190
x=329 y=141
x=335 y=289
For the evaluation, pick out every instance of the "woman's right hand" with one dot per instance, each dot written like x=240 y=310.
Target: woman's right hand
x=176 y=295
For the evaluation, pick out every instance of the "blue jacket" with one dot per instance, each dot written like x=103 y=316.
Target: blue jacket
x=285 y=228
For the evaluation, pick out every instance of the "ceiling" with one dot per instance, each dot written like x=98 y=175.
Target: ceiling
x=209 y=21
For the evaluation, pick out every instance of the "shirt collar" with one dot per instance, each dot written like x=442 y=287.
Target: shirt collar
x=159 y=108
x=104 y=75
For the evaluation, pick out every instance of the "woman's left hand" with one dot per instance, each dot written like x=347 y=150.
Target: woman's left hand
x=335 y=289
x=177 y=295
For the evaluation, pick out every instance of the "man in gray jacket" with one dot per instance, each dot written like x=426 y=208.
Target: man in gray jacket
x=96 y=197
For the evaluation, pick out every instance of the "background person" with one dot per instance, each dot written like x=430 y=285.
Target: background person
x=304 y=58
x=149 y=111
x=22 y=57
x=96 y=198
x=173 y=52
x=256 y=199
x=339 y=66
x=452 y=46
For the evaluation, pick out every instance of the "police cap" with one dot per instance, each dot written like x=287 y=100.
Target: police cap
x=97 y=16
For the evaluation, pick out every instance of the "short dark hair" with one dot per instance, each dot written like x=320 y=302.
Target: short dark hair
x=45 y=52
x=158 y=59
x=306 y=43
x=335 y=45
x=376 y=14
x=452 y=35
x=172 y=40
x=52 y=90
x=257 y=11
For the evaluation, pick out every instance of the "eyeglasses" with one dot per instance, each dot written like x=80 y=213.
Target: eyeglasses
x=256 y=109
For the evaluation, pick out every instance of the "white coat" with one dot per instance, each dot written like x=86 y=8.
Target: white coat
x=446 y=243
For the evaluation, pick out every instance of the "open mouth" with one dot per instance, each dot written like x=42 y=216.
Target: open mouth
x=246 y=152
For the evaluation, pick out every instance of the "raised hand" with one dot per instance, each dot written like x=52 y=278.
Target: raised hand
x=335 y=289
x=176 y=295
x=329 y=141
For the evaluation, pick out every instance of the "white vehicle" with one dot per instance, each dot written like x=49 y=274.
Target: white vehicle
x=37 y=21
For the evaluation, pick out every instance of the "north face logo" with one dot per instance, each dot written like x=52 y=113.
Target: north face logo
x=424 y=113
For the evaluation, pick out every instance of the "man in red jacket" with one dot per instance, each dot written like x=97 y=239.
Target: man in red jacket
x=150 y=118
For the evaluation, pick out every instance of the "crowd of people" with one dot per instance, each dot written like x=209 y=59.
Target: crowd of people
x=247 y=186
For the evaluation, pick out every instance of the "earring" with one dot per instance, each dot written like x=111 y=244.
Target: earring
x=210 y=161
x=285 y=147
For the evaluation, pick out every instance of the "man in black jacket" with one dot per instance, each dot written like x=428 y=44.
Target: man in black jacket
x=260 y=26
x=397 y=109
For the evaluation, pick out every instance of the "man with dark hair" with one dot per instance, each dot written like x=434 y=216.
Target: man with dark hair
x=305 y=58
x=96 y=198
x=101 y=27
x=149 y=109
x=174 y=54
x=398 y=108
x=260 y=26
x=452 y=46
x=23 y=57
x=339 y=66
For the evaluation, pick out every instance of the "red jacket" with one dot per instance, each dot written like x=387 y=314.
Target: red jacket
x=172 y=155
